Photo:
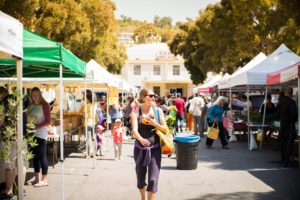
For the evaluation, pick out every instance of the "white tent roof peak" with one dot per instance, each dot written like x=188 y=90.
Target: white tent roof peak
x=234 y=78
x=100 y=75
x=279 y=59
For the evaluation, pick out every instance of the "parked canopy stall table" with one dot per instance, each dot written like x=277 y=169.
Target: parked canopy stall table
x=256 y=76
x=46 y=58
x=288 y=76
x=11 y=46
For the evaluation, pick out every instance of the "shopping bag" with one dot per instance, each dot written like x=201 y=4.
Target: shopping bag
x=232 y=138
x=213 y=133
x=166 y=142
x=260 y=136
x=253 y=144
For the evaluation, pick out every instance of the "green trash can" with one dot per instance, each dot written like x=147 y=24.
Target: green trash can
x=187 y=150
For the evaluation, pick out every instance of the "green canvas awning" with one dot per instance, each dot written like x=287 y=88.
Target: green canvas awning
x=42 y=58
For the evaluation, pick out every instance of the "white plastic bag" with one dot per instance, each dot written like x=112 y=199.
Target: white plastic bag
x=232 y=138
x=253 y=144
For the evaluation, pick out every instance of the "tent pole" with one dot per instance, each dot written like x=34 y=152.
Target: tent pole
x=94 y=142
x=264 y=117
x=298 y=122
x=248 y=116
x=20 y=131
x=61 y=93
x=231 y=114
x=85 y=119
x=107 y=116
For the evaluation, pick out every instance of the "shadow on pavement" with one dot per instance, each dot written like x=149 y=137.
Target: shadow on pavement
x=238 y=157
x=285 y=181
x=260 y=164
x=168 y=168
x=242 y=195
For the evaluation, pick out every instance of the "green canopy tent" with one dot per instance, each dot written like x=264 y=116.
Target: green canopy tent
x=43 y=57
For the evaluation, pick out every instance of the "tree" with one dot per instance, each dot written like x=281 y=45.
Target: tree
x=146 y=33
x=228 y=34
x=83 y=26
x=164 y=22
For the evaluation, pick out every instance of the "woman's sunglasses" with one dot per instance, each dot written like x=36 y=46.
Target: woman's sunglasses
x=151 y=95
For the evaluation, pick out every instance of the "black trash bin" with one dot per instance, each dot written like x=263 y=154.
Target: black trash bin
x=187 y=150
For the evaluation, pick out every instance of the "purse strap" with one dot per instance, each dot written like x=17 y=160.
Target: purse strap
x=157 y=116
x=217 y=125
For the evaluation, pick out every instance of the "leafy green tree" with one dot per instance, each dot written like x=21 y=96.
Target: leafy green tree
x=164 y=22
x=228 y=34
x=83 y=26
x=146 y=33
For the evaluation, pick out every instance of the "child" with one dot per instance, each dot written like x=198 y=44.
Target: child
x=118 y=134
x=100 y=128
x=99 y=138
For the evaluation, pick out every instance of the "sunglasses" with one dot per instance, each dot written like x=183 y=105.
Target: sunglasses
x=151 y=95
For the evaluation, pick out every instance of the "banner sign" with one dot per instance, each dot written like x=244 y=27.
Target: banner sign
x=113 y=95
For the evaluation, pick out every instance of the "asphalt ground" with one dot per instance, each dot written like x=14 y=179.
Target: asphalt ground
x=236 y=173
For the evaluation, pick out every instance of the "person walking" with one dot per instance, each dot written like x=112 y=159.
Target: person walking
x=215 y=115
x=89 y=121
x=287 y=111
x=114 y=112
x=127 y=114
x=189 y=115
x=179 y=103
x=196 y=109
x=39 y=111
x=118 y=133
x=147 y=151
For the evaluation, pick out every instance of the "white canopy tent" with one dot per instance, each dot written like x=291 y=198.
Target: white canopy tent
x=101 y=75
x=233 y=79
x=11 y=45
x=11 y=37
x=257 y=75
x=207 y=87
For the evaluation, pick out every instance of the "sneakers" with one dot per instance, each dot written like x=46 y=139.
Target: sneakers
x=41 y=184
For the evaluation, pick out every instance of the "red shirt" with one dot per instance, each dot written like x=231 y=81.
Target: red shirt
x=179 y=103
x=118 y=134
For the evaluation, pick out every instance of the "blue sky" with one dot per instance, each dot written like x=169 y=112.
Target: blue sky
x=178 y=10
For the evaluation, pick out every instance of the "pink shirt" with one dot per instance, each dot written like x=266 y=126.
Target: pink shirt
x=117 y=133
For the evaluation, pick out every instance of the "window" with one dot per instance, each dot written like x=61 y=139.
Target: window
x=156 y=90
x=156 y=69
x=137 y=69
x=176 y=70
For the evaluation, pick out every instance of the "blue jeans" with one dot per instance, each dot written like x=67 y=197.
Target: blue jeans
x=180 y=119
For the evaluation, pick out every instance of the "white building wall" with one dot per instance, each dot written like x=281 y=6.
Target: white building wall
x=184 y=74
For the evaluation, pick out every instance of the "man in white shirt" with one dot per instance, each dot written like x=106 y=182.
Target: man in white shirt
x=196 y=109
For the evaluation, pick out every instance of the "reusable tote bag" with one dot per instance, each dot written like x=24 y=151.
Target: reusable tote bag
x=213 y=133
x=165 y=139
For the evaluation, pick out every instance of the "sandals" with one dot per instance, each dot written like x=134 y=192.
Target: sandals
x=41 y=184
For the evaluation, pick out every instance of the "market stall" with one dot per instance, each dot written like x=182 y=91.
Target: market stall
x=255 y=77
x=46 y=58
x=11 y=42
x=288 y=76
